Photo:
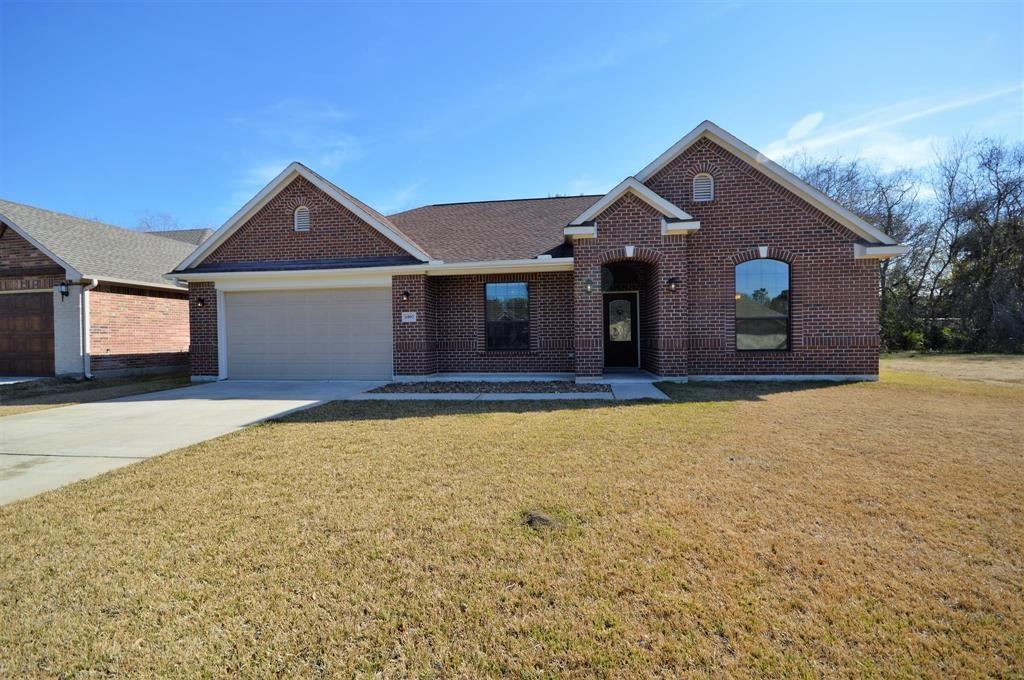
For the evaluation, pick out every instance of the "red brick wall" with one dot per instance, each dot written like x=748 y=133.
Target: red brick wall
x=19 y=257
x=834 y=298
x=23 y=266
x=415 y=343
x=334 y=231
x=632 y=222
x=449 y=335
x=135 y=328
x=202 y=329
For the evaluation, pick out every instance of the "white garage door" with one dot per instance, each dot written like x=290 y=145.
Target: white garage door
x=309 y=334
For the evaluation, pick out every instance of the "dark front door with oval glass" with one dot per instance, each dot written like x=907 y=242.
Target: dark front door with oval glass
x=621 y=344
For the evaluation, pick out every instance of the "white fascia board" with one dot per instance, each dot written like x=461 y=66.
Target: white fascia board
x=69 y=271
x=866 y=252
x=674 y=228
x=274 y=187
x=773 y=170
x=374 y=273
x=136 y=284
x=631 y=185
x=548 y=264
x=580 y=232
x=302 y=282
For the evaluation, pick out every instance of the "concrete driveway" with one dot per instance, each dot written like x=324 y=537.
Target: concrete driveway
x=48 y=449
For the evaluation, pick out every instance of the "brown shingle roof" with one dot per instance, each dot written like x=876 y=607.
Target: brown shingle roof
x=491 y=230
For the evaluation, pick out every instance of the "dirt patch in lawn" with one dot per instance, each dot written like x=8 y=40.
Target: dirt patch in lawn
x=872 y=529
x=481 y=386
x=48 y=393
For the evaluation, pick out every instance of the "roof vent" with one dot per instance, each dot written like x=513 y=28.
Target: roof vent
x=703 y=187
x=302 y=218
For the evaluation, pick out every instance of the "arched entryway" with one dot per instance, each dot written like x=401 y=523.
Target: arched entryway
x=630 y=308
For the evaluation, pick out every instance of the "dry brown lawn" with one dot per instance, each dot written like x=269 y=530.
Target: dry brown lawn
x=994 y=368
x=786 y=530
x=55 y=392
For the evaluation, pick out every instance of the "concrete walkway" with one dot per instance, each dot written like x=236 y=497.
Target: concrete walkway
x=47 y=449
x=621 y=391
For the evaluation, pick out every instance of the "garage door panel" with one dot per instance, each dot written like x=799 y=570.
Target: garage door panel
x=26 y=333
x=316 y=334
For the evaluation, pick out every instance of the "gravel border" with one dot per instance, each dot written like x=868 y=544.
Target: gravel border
x=484 y=387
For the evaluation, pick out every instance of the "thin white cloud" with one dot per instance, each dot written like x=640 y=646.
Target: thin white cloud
x=805 y=126
x=876 y=121
x=890 y=151
x=589 y=185
x=401 y=199
x=309 y=131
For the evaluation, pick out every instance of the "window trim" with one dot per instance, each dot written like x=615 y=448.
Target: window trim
x=529 y=321
x=295 y=218
x=789 y=310
x=693 y=183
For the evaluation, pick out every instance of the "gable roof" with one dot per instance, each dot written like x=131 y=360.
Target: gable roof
x=756 y=159
x=630 y=185
x=92 y=250
x=276 y=185
x=492 y=230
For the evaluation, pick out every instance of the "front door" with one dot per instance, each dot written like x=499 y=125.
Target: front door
x=621 y=344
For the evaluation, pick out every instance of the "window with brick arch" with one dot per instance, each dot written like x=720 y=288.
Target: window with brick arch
x=762 y=305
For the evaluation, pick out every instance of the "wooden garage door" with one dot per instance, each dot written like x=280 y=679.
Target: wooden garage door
x=342 y=334
x=26 y=333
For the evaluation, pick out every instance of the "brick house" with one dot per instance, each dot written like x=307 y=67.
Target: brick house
x=712 y=262
x=79 y=298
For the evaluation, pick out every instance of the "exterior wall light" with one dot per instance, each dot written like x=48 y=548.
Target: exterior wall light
x=673 y=283
x=588 y=286
x=63 y=289
x=201 y=302
x=406 y=295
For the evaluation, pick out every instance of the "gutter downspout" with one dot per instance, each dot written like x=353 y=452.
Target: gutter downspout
x=86 y=364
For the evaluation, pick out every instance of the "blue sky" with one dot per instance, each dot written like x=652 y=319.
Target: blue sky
x=117 y=112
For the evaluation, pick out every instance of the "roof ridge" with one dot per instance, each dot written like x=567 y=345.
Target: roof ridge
x=127 y=230
x=498 y=200
x=63 y=214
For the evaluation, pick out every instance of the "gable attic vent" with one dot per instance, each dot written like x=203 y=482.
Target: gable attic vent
x=302 y=218
x=703 y=187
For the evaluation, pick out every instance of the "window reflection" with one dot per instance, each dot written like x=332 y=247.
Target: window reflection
x=762 y=305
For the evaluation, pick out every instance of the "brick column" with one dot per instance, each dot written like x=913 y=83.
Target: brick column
x=673 y=312
x=587 y=310
x=202 y=328
x=415 y=342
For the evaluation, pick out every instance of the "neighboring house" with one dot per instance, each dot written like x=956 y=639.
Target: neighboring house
x=710 y=262
x=78 y=297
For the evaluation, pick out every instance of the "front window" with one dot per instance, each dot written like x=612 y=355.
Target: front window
x=508 y=316
x=762 y=305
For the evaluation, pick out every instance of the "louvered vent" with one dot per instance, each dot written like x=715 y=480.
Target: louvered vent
x=703 y=187
x=302 y=218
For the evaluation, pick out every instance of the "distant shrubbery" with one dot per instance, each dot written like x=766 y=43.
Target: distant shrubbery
x=961 y=285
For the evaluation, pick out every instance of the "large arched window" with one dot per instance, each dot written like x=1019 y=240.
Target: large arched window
x=762 y=305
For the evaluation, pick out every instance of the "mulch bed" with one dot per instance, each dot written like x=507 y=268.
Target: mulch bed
x=474 y=386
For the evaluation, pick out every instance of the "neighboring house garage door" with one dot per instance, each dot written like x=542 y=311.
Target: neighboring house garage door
x=26 y=333
x=309 y=334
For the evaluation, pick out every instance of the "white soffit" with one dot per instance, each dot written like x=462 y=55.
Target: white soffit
x=866 y=252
